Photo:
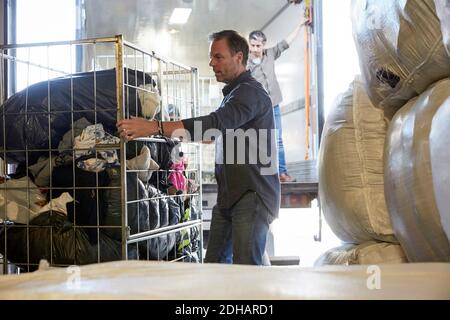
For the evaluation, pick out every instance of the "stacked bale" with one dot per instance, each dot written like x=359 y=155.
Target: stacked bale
x=443 y=12
x=440 y=156
x=351 y=169
x=368 y=253
x=402 y=47
x=417 y=178
x=403 y=50
x=351 y=183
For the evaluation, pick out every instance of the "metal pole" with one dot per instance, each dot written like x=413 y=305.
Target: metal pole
x=59 y=43
x=120 y=95
x=318 y=31
x=318 y=44
x=196 y=113
x=160 y=87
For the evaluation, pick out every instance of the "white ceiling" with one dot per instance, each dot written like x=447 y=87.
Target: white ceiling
x=145 y=23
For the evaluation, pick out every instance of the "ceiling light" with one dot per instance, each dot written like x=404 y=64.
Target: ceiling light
x=180 y=15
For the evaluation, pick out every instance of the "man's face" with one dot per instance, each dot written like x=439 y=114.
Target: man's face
x=256 y=48
x=226 y=67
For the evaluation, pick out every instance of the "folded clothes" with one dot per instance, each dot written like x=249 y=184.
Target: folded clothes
x=92 y=136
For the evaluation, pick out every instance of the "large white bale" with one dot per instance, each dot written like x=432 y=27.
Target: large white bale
x=417 y=178
x=400 y=48
x=440 y=151
x=443 y=12
x=351 y=185
x=368 y=253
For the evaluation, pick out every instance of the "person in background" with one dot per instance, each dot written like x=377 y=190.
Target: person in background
x=248 y=198
x=261 y=63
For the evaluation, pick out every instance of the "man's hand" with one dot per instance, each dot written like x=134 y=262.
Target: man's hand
x=303 y=21
x=130 y=129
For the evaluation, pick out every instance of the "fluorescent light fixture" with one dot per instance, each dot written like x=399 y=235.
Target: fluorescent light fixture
x=180 y=15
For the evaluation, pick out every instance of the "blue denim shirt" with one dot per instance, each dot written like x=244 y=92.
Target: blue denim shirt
x=246 y=106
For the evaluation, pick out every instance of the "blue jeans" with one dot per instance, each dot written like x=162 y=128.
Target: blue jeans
x=279 y=136
x=238 y=235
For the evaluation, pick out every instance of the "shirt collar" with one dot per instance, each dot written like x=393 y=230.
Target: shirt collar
x=233 y=84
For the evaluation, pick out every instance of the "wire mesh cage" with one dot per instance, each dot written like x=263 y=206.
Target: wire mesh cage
x=71 y=191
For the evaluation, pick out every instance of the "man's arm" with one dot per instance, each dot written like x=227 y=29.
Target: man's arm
x=291 y=37
x=135 y=127
x=239 y=109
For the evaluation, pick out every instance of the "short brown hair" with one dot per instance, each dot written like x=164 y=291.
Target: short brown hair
x=235 y=42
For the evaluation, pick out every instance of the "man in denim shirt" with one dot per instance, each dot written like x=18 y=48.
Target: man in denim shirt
x=246 y=168
x=262 y=65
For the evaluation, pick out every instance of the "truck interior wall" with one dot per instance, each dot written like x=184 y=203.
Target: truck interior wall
x=289 y=69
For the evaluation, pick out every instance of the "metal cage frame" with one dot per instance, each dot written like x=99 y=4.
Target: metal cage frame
x=175 y=83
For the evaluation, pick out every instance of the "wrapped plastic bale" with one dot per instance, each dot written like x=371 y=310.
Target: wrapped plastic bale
x=174 y=211
x=142 y=216
x=194 y=211
x=54 y=238
x=191 y=257
x=417 y=179
x=163 y=211
x=400 y=49
x=195 y=239
x=368 y=253
x=89 y=205
x=154 y=207
x=84 y=209
x=443 y=12
x=163 y=152
x=351 y=185
x=171 y=242
x=27 y=119
x=160 y=247
x=139 y=218
x=188 y=240
x=439 y=145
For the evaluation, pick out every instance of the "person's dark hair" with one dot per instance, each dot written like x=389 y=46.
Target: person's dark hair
x=235 y=42
x=257 y=35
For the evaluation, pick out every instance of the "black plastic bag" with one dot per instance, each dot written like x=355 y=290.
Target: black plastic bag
x=138 y=212
x=163 y=212
x=174 y=212
x=89 y=205
x=27 y=115
x=54 y=238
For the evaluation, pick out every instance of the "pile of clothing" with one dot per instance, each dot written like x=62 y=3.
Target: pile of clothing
x=64 y=204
